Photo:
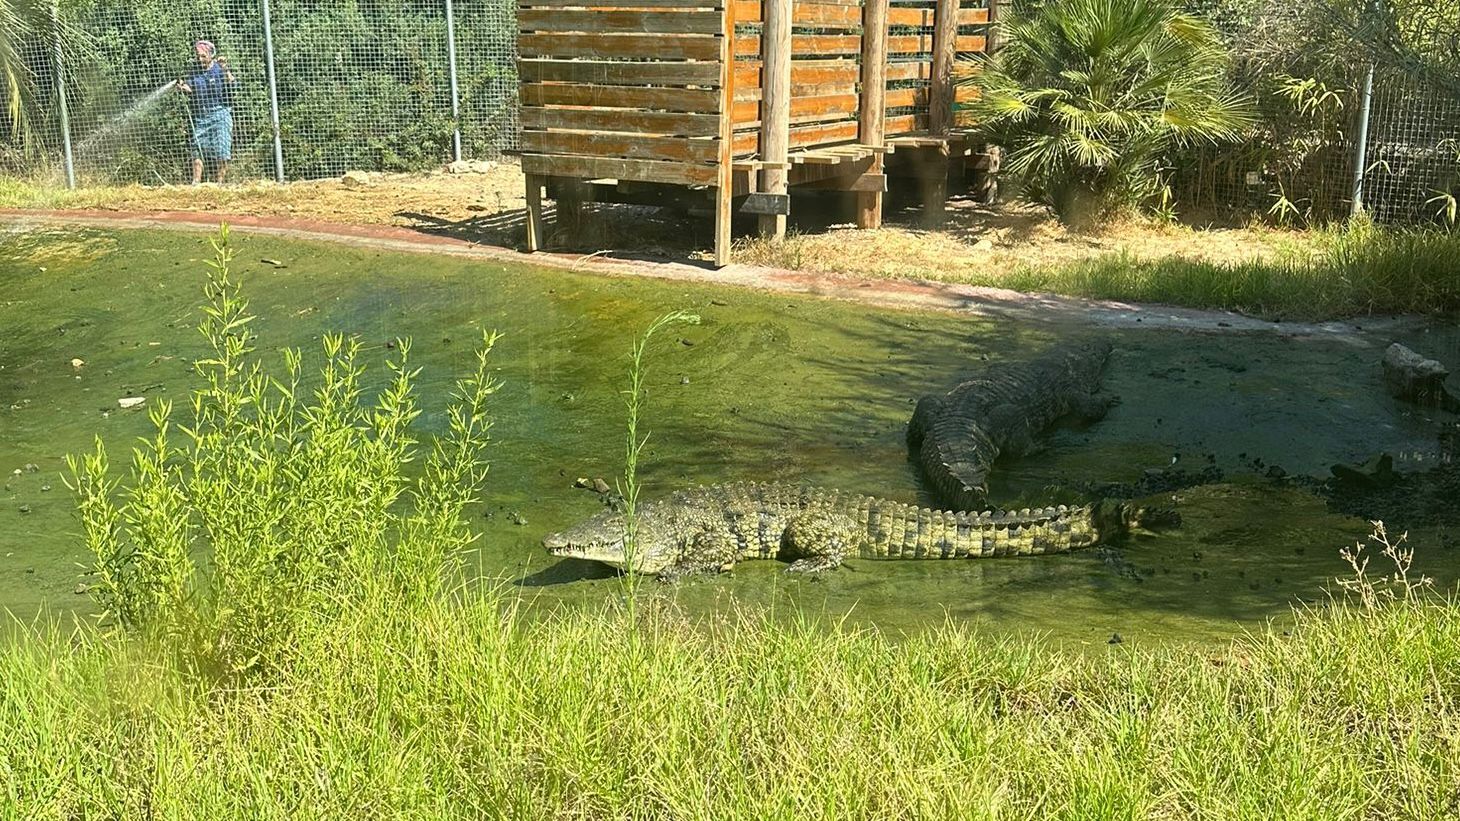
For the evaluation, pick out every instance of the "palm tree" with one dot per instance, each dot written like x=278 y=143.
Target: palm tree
x=29 y=33
x=1087 y=97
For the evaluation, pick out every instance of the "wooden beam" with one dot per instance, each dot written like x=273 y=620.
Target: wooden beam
x=599 y=144
x=534 y=213
x=619 y=72
x=725 y=170
x=640 y=46
x=775 y=115
x=685 y=100
x=871 y=121
x=940 y=95
x=609 y=168
x=622 y=120
x=628 y=22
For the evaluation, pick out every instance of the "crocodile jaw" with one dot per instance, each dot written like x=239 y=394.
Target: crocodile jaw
x=648 y=560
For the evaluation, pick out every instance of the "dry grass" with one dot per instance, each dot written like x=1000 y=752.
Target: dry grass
x=977 y=243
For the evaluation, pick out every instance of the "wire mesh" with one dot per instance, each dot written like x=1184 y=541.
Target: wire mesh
x=1298 y=164
x=366 y=85
x=360 y=86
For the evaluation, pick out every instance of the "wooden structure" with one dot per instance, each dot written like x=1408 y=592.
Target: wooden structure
x=732 y=104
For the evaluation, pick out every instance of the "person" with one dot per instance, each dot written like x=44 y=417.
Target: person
x=210 y=97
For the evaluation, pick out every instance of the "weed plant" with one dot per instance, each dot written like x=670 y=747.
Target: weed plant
x=276 y=510
x=634 y=399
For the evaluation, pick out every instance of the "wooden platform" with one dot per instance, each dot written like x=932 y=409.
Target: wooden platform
x=738 y=102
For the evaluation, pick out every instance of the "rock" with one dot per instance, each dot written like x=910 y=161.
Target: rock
x=130 y=402
x=470 y=167
x=583 y=482
x=601 y=487
x=31 y=467
x=81 y=589
x=25 y=508
x=274 y=262
x=1115 y=639
x=77 y=363
x=1377 y=472
x=517 y=519
x=984 y=245
x=1412 y=378
x=356 y=179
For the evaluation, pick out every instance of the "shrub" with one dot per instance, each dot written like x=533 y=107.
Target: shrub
x=1089 y=96
x=278 y=510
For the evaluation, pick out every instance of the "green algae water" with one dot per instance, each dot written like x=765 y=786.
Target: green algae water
x=767 y=387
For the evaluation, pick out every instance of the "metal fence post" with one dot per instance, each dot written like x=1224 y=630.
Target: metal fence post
x=273 y=93
x=451 y=70
x=65 y=112
x=1356 y=206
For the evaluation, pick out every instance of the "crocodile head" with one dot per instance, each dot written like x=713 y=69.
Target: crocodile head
x=601 y=539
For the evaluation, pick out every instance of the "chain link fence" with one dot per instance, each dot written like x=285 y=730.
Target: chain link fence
x=379 y=85
x=1300 y=165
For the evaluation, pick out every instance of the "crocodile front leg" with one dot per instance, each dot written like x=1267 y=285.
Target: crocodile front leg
x=816 y=541
x=707 y=551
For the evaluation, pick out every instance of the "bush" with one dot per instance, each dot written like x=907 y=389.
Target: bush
x=279 y=511
x=1088 y=97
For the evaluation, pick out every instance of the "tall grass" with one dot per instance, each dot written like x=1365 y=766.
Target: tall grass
x=1357 y=270
x=460 y=708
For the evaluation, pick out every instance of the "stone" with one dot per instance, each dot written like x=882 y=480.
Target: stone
x=81 y=589
x=1412 y=378
x=601 y=487
x=470 y=167
x=356 y=179
x=77 y=363
x=131 y=402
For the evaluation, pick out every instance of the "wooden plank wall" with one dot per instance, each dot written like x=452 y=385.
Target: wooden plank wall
x=623 y=89
x=912 y=51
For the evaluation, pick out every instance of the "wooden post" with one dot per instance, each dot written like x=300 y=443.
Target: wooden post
x=726 y=171
x=940 y=95
x=872 y=109
x=775 y=107
x=534 y=213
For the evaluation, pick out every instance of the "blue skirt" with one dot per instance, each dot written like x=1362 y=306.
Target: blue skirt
x=213 y=135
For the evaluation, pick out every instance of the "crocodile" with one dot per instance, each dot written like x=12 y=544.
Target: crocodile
x=709 y=529
x=954 y=438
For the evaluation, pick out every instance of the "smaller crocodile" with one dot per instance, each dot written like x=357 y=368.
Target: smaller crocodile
x=709 y=529
x=955 y=437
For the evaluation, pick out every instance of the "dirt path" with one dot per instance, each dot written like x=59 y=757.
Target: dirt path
x=889 y=293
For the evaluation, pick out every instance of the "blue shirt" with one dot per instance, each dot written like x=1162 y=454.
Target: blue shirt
x=210 y=90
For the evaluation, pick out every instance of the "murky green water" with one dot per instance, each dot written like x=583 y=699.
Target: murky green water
x=778 y=388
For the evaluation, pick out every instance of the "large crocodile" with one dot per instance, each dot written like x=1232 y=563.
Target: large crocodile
x=709 y=529
x=956 y=437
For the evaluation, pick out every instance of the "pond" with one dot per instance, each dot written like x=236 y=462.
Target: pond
x=767 y=387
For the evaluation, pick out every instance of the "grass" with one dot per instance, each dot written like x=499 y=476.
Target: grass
x=282 y=641
x=455 y=708
x=1322 y=274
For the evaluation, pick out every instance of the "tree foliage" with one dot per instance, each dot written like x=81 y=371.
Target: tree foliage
x=1088 y=97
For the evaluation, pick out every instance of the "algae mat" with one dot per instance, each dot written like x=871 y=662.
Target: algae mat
x=767 y=387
